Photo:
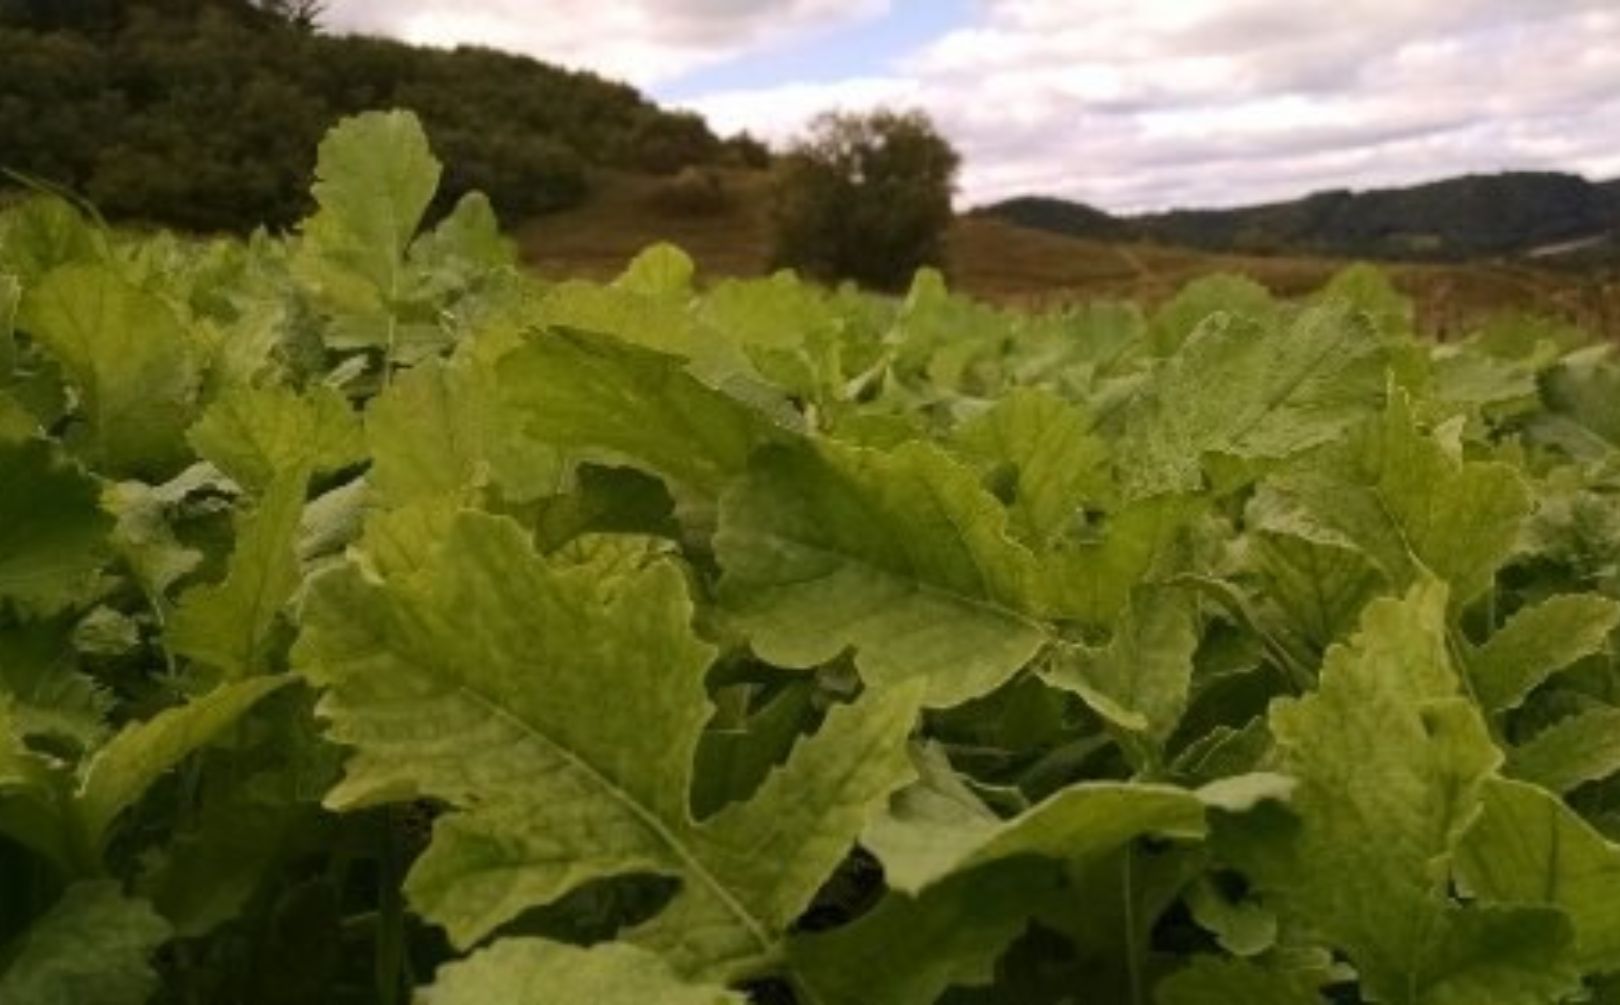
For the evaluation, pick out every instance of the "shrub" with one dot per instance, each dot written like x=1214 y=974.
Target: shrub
x=865 y=197
x=694 y=192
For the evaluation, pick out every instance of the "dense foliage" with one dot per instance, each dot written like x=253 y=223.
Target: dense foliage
x=865 y=197
x=377 y=620
x=204 y=114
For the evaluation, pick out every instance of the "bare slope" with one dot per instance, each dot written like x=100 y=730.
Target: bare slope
x=1008 y=263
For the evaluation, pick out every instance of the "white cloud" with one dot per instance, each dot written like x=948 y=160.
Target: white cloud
x=1132 y=104
x=1139 y=105
x=641 y=41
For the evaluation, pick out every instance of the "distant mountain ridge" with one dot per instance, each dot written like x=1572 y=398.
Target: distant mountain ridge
x=1508 y=215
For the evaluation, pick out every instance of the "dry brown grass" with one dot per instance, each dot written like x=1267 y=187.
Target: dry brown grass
x=1015 y=265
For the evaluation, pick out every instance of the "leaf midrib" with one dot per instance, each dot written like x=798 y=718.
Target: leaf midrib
x=690 y=864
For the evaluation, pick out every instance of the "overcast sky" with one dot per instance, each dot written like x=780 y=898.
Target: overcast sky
x=1128 y=104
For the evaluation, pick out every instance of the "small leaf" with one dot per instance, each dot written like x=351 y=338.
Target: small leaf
x=1139 y=681
x=1584 y=747
x=252 y=434
x=1057 y=463
x=1537 y=642
x=922 y=840
x=229 y=625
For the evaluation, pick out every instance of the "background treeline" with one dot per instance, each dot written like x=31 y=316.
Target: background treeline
x=205 y=114
x=1542 y=214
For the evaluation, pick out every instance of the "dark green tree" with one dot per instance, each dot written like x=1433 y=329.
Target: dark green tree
x=205 y=114
x=865 y=197
x=303 y=14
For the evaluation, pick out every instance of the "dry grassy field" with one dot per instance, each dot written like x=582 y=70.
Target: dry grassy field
x=1009 y=264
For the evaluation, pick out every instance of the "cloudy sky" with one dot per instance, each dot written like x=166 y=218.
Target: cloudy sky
x=1128 y=104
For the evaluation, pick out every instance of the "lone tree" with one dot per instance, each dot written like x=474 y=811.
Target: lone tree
x=865 y=197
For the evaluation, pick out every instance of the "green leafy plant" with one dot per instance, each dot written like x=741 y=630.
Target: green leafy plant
x=380 y=623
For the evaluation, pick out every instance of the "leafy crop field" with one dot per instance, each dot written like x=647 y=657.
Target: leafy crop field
x=380 y=623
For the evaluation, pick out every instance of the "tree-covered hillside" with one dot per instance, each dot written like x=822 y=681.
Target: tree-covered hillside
x=1508 y=214
x=205 y=114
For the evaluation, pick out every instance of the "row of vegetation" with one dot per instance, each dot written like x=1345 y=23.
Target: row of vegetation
x=380 y=622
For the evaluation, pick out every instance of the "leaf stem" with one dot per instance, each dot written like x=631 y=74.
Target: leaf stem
x=390 y=945
x=1133 y=951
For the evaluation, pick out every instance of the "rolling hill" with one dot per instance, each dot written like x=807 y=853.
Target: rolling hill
x=1509 y=215
x=1009 y=263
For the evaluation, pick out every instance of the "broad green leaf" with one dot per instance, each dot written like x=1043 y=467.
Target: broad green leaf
x=1471 y=381
x=121 y=771
x=45 y=232
x=53 y=534
x=1512 y=956
x=252 y=433
x=733 y=760
x=551 y=787
x=1368 y=289
x=923 y=839
x=909 y=950
x=901 y=556
x=776 y=313
x=467 y=245
x=132 y=363
x=1585 y=388
x=1139 y=681
x=1389 y=761
x=1407 y=498
x=1241 y=925
x=1091 y=579
x=230 y=625
x=374 y=179
x=1213 y=981
x=144 y=535
x=1537 y=642
x=602 y=400
x=1312 y=591
x=92 y=947
x=1527 y=847
x=1250 y=389
x=652 y=307
x=1584 y=747
x=1040 y=455
x=426 y=433
x=526 y=971
x=662 y=269
x=1223 y=296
